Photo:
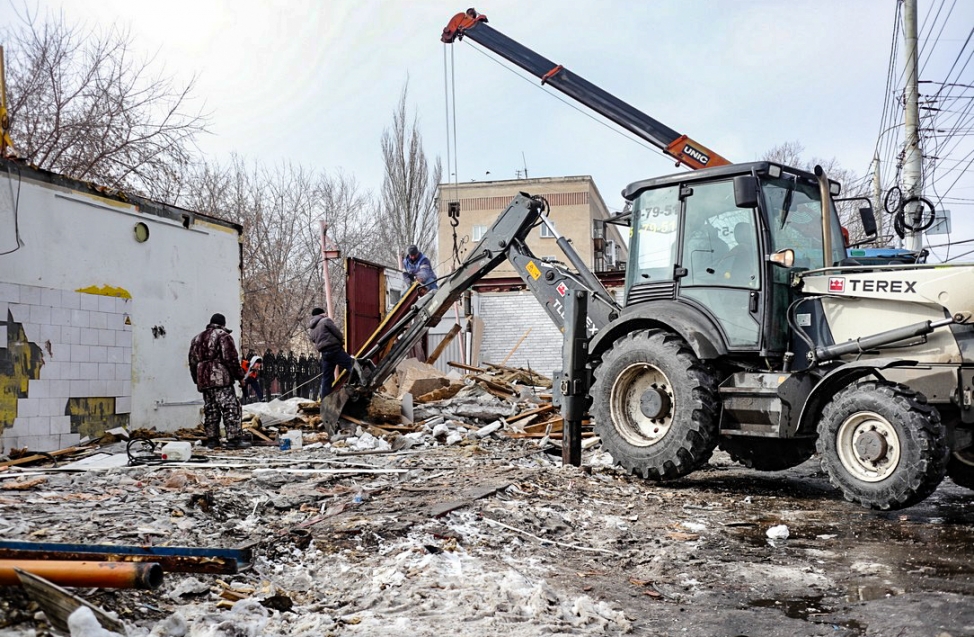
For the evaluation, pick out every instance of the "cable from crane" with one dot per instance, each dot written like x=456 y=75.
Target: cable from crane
x=453 y=206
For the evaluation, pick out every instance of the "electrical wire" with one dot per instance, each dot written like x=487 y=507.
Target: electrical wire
x=883 y=150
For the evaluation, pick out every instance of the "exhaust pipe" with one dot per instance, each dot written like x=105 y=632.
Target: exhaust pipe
x=826 y=196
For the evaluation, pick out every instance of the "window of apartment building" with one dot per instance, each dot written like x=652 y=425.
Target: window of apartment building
x=546 y=232
x=478 y=233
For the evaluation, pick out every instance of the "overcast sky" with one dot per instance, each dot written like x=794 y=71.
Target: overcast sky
x=316 y=82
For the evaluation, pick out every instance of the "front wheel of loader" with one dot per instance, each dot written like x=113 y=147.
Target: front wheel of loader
x=655 y=405
x=882 y=445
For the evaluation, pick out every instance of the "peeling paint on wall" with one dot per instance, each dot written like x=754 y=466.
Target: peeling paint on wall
x=78 y=347
x=92 y=417
x=20 y=362
x=105 y=290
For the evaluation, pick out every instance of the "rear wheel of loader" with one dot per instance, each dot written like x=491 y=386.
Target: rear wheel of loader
x=882 y=445
x=768 y=454
x=960 y=468
x=656 y=405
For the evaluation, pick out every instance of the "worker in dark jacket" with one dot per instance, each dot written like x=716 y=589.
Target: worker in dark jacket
x=215 y=367
x=328 y=340
x=416 y=266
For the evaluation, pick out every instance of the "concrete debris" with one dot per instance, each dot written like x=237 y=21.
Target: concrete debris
x=778 y=532
x=459 y=524
x=83 y=623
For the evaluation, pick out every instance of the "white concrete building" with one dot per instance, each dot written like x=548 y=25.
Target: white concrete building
x=100 y=295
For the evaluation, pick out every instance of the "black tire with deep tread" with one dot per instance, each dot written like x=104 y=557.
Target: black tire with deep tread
x=922 y=441
x=961 y=472
x=768 y=454
x=692 y=436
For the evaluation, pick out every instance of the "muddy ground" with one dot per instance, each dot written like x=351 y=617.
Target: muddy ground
x=529 y=548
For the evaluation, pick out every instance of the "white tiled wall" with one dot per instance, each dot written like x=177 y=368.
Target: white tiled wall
x=507 y=316
x=87 y=353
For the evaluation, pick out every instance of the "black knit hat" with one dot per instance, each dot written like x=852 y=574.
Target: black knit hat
x=412 y=250
x=317 y=311
x=218 y=319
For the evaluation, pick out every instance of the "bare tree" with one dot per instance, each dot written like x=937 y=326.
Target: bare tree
x=281 y=210
x=349 y=213
x=790 y=154
x=408 y=196
x=82 y=104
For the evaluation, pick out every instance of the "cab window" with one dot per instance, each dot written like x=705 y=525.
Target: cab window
x=653 y=236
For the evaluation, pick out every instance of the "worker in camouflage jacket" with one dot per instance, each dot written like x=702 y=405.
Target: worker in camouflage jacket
x=215 y=367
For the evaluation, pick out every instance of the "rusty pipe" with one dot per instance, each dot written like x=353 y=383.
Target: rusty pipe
x=85 y=574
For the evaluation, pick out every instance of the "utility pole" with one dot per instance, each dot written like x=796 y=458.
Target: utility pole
x=913 y=163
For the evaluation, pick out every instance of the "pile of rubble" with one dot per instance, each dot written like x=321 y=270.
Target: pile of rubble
x=336 y=535
x=419 y=399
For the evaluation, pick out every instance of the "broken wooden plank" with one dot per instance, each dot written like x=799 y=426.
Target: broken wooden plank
x=39 y=456
x=467 y=498
x=521 y=424
x=491 y=385
x=555 y=424
x=516 y=345
x=388 y=427
x=540 y=410
x=469 y=368
x=554 y=435
x=257 y=433
x=58 y=604
x=443 y=344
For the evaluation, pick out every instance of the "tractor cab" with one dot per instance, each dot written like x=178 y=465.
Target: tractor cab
x=724 y=243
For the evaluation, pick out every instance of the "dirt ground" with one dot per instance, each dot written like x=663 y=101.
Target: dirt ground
x=527 y=547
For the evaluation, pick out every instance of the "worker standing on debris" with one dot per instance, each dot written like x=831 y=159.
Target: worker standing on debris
x=251 y=371
x=215 y=367
x=328 y=340
x=416 y=266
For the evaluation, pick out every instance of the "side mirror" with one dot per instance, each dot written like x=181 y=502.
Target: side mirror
x=868 y=220
x=745 y=191
x=867 y=216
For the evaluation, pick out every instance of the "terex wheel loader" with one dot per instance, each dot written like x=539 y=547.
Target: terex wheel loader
x=744 y=324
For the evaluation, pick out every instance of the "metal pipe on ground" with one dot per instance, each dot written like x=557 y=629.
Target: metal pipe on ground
x=169 y=563
x=85 y=574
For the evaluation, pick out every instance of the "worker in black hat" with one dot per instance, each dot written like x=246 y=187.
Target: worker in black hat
x=215 y=367
x=329 y=342
x=416 y=266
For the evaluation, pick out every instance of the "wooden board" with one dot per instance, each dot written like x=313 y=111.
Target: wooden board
x=38 y=457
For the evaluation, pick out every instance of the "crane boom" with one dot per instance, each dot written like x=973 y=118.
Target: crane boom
x=686 y=151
